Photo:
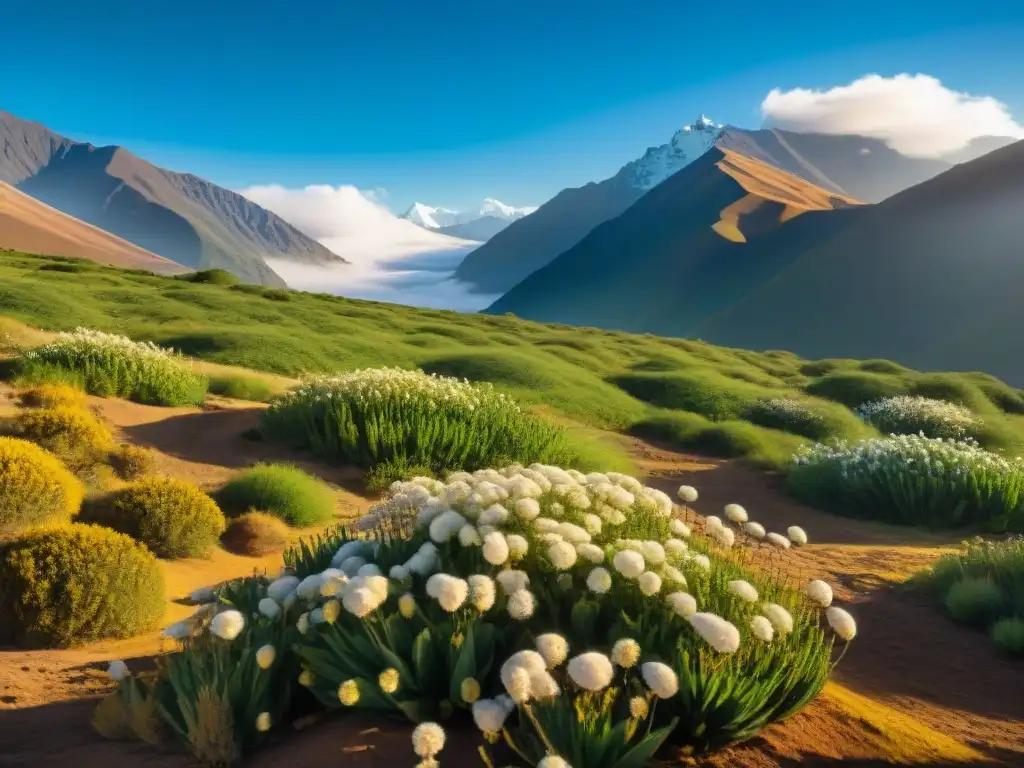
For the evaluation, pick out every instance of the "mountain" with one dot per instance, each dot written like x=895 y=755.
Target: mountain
x=29 y=225
x=179 y=216
x=533 y=241
x=494 y=213
x=930 y=278
x=695 y=243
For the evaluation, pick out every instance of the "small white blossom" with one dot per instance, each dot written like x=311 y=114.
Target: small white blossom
x=591 y=671
x=630 y=564
x=842 y=623
x=754 y=530
x=819 y=592
x=599 y=581
x=227 y=625
x=716 y=632
x=660 y=678
x=428 y=739
x=118 y=671
x=553 y=647
x=744 y=590
x=649 y=582
x=780 y=618
x=797 y=535
x=626 y=653
x=687 y=494
x=762 y=628
x=521 y=604
x=735 y=513
x=682 y=604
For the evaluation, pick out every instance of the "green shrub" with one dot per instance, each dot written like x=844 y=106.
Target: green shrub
x=77 y=584
x=1008 y=635
x=255 y=534
x=881 y=366
x=212 y=276
x=241 y=387
x=387 y=414
x=131 y=462
x=115 y=366
x=295 y=496
x=913 y=480
x=975 y=601
x=35 y=487
x=171 y=517
x=904 y=415
x=789 y=416
x=73 y=434
x=702 y=391
x=854 y=388
x=68 y=268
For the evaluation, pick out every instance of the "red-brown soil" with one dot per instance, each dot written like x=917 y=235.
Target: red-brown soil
x=913 y=687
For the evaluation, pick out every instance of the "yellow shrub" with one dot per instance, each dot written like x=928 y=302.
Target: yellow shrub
x=53 y=396
x=73 y=434
x=34 y=487
x=171 y=517
x=256 y=534
x=77 y=584
x=132 y=461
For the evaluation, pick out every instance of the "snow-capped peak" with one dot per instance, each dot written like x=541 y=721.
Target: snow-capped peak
x=434 y=218
x=428 y=217
x=685 y=146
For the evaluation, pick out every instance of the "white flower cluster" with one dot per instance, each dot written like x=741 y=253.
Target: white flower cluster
x=778 y=411
x=947 y=461
x=384 y=385
x=907 y=415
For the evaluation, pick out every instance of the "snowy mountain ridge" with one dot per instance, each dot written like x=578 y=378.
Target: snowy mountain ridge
x=685 y=146
x=435 y=218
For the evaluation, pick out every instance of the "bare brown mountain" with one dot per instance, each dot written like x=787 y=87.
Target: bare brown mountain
x=181 y=217
x=29 y=225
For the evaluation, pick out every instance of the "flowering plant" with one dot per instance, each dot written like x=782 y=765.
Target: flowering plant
x=905 y=415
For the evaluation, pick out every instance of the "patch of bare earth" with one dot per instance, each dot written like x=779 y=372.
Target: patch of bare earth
x=913 y=688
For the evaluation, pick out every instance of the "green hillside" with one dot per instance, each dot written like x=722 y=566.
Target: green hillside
x=689 y=394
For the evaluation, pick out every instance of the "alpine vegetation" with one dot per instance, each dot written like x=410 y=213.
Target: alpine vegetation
x=109 y=365
x=408 y=418
x=914 y=480
x=905 y=415
x=572 y=615
x=788 y=415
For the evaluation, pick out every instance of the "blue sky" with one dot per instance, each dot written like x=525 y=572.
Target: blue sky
x=448 y=102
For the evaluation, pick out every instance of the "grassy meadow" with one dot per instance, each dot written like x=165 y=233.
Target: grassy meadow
x=680 y=392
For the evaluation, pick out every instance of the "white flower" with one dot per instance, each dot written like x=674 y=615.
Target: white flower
x=797 y=535
x=118 y=671
x=626 y=653
x=682 y=603
x=592 y=671
x=754 y=530
x=543 y=686
x=592 y=523
x=269 y=607
x=378 y=585
x=495 y=548
x=562 y=555
x=398 y=573
x=228 y=625
x=675 y=547
x=672 y=574
x=489 y=716
x=724 y=536
x=780 y=618
x=469 y=536
x=302 y=624
x=660 y=678
x=553 y=761
x=553 y=647
x=716 y=632
x=650 y=583
x=687 y=494
x=599 y=581
x=359 y=601
x=263 y=722
x=736 y=513
x=711 y=522
x=493 y=515
x=527 y=509
x=512 y=580
x=638 y=708
x=590 y=552
x=370 y=569
x=449 y=591
x=427 y=739
x=309 y=587
x=679 y=528
x=282 y=587
x=265 y=656
x=629 y=563
x=777 y=540
x=842 y=623
x=703 y=561
x=482 y=592
x=653 y=552
x=446 y=525
x=744 y=589
x=819 y=592
x=762 y=628
x=517 y=546
x=521 y=604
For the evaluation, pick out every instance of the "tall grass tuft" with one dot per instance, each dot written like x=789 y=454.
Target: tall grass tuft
x=115 y=366
x=298 y=498
x=913 y=480
x=377 y=415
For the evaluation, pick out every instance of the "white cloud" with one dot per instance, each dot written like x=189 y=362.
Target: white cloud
x=391 y=259
x=914 y=114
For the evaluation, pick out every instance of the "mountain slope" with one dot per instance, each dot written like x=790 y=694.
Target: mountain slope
x=479 y=223
x=533 y=241
x=29 y=225
x=693 y=244
x=930 y=278
x=179 y=216
x=481 y=230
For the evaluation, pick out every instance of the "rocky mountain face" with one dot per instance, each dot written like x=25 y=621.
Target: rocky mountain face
x=181 y=217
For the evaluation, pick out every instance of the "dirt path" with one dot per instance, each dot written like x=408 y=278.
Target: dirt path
x=913 y=687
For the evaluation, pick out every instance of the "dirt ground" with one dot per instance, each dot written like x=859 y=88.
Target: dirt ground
x=912 y=689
